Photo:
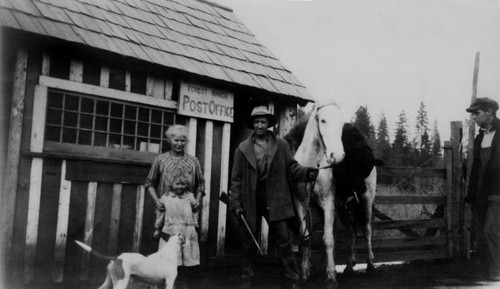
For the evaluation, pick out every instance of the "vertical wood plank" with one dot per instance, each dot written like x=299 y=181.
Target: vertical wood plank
x=169 y=88
x=62 y=227
x=155 y=86
x=104 y=80
x=32 y=219
x=139 y=215
x=76 y=70
x=114 y=224
x=38 y=123
x=449 y=196
x=224 y=179
x=191 y=145
x=89 y=229
x=45 y=64
x=9 y=192
x=457 y=188
x=128 y=80
x=205 y=206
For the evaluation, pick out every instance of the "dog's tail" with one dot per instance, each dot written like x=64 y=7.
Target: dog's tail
x=94 y=252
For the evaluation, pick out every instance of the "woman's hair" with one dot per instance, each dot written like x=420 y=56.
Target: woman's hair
x=177 y=175
x=176 y=130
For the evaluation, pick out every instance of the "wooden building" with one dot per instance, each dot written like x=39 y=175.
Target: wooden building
x=87 y=89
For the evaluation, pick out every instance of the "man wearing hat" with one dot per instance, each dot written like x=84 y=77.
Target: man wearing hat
x=263 y=164
x=484 y=185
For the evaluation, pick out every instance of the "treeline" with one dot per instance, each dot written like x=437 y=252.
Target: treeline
x=423 y=150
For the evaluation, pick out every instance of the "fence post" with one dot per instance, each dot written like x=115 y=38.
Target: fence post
x=449 y=196
x=457 y=188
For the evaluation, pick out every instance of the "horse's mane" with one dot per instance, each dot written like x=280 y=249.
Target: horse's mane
x=296 y=134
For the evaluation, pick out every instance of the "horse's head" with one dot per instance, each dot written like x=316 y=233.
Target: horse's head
x=330 y=122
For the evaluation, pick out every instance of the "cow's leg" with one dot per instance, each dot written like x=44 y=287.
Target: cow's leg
x=327 y=203
x=303 y=209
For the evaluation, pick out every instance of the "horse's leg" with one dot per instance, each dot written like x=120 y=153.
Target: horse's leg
x=327 y=203
x=367 y=205
x=302 y=206
x=351 y=247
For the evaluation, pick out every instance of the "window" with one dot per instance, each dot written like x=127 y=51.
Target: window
x=87 y=120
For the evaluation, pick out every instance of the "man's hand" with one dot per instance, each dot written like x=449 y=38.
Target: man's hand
x=239 y=212
x=312 y=174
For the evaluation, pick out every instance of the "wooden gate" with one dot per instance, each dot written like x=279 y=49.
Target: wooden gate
x=440 y=234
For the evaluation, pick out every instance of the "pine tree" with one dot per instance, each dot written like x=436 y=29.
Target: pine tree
x=436 y=145
x=383 y=143
x=363 y=123
x=401 y=147
x=422 y=144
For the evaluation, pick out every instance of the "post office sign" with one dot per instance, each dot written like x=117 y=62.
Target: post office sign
x=205 y=102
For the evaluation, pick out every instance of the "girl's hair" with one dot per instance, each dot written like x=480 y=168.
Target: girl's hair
x=176 y=130
x=179 y=175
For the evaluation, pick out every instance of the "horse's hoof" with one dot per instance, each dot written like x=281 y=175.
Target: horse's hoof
x=331 y=284
x=348 y=271
x=370 y=269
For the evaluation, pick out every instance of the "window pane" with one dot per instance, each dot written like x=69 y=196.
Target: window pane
x=52 y=133
x=115 y=141
x=144 y=114
x=70 y=119
x=116 y=110
x=69 y=135
x=55 y=99
x=85 y=137
x=101 y=123
x=100 y=139
x=129 y=127
x=87 y=105
x=156 y=116
x=128 y=141
x=115 y=125
x=54 y=116
x=71 y=102
x=142 y=129
x=102 y=107
x=169 y=118
x=86 y=121
x=142 y=144
x=130 y=112
x=156 y=131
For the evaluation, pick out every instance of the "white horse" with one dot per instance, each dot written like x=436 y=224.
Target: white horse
x=322 y=147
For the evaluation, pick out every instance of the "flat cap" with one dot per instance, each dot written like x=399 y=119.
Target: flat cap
x=483 y=102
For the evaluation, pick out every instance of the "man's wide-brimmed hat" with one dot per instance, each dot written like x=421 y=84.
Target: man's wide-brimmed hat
x=262 y=111
x=483 y=102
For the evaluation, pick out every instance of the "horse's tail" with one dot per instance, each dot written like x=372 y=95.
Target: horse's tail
x=94 y=252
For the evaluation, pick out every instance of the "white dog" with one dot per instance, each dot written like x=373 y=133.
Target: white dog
x=158 y=267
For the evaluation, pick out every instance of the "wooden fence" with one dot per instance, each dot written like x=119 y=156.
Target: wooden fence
x=443 y=234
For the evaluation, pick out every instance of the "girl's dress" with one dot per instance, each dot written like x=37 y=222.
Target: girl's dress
x=180 y=219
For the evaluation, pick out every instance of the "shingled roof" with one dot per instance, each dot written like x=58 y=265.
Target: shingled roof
x=196 y=36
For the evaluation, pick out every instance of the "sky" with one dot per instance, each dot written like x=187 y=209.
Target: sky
x=387 y=55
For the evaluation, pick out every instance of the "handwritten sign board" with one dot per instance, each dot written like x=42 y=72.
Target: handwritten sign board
x=205 y=102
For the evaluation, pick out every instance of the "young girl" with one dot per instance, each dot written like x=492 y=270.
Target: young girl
x=179 y=216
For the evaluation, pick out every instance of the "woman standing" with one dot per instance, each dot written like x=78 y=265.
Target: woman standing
x=158 y=181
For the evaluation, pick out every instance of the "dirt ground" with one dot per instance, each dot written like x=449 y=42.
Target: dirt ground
x=435 y=274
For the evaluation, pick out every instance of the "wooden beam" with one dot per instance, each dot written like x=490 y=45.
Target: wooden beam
x=76 y=70
x=32 y=219
x=381 y=216
x=413 y=200
x=62 y=227
x=410 y=172
x=192 y=128
x=408 y=224
x=9 y=192
x=169 y=89
x=105 y=92
x=39 y=115
x=89 y=229
x=207 y=170
x=449 y=195
x=287 y=118
x=155 y=86
x=224 y=180
x=139 y=216
x=114 y=223
x=104 y=79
